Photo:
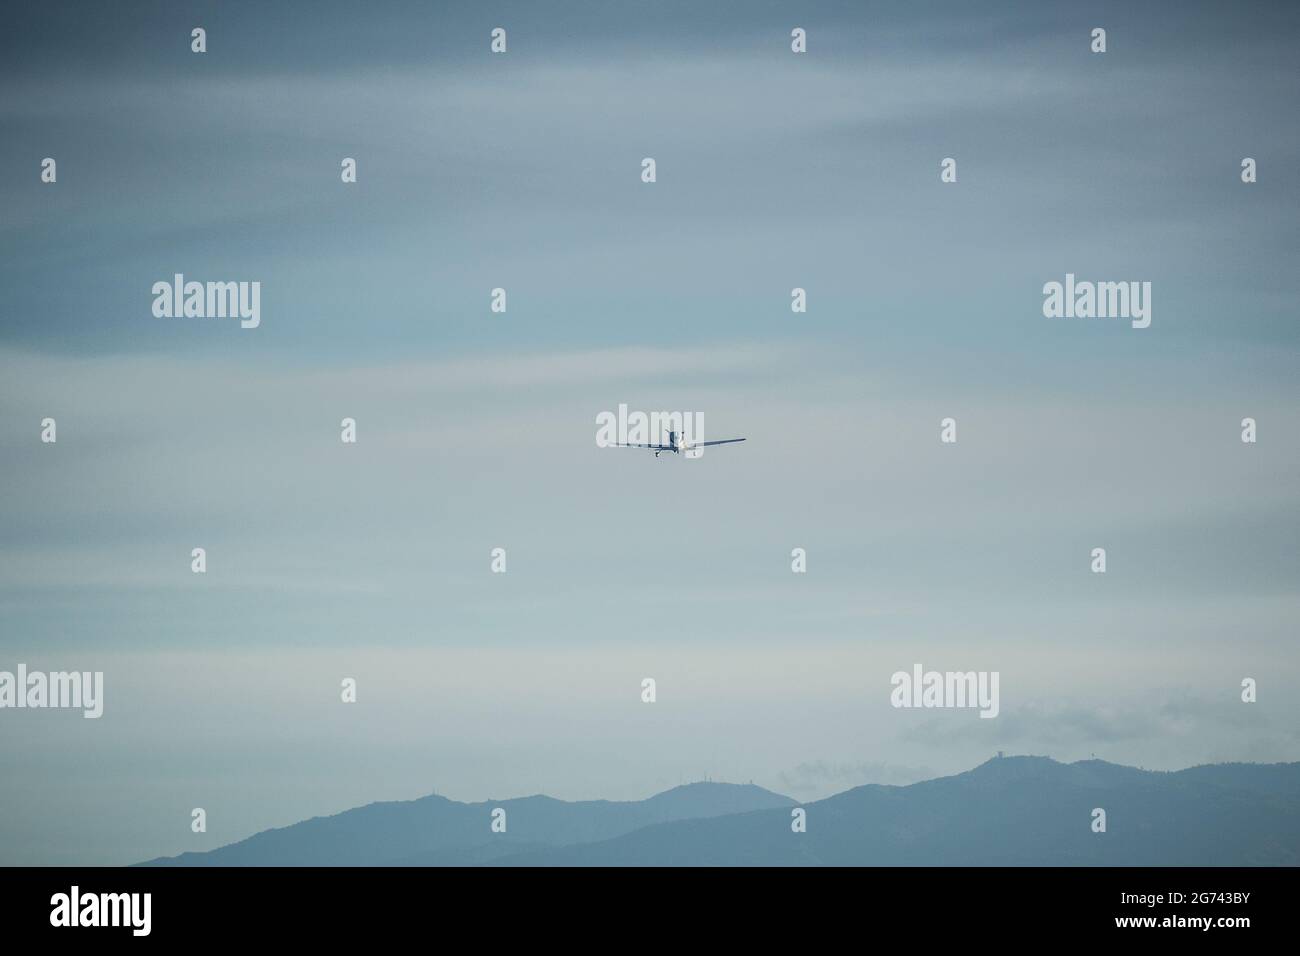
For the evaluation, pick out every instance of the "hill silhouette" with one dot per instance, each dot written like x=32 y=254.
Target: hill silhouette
x=1009 y=811
x=433 y=830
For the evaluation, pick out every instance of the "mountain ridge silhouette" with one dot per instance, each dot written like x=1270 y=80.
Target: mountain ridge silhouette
x=1007 y=811
x=434 y=830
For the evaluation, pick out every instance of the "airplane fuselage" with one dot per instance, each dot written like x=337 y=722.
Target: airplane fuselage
x=679 y=445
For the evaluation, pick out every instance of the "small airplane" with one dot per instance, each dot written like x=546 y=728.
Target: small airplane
x=677 y=444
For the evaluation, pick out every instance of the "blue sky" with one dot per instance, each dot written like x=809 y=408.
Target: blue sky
x=476 y=430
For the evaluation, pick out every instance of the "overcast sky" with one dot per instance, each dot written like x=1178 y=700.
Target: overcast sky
x=476 y=430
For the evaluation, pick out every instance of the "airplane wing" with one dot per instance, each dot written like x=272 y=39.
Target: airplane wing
x=635 y=445
x=725 y=441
